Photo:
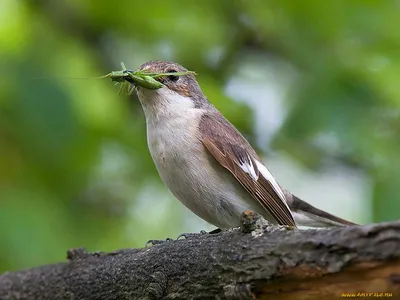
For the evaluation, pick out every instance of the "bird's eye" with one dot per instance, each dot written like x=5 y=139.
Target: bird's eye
x=172 y=77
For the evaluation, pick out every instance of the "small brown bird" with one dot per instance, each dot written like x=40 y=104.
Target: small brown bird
x=207 y=164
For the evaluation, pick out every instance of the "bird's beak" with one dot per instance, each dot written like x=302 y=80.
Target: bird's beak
x=142 y=78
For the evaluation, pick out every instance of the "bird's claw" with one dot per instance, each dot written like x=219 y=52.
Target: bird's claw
x=157 y=242
x=183 y=235
x=215 y=231
x=189 y=235
x=202 y=232
x=288 y=227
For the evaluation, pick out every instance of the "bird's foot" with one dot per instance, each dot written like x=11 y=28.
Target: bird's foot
x=157 y=242
x=288 y=227
x=191 y=235
x=181 y=236
x=201 y=233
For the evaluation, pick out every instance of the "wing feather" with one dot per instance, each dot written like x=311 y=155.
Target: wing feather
x=227 y=146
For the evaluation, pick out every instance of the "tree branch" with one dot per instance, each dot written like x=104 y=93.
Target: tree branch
x=265 y=263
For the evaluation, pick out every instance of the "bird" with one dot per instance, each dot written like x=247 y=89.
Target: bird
x=207 y=164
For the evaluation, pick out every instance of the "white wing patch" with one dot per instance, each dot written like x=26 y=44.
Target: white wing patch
x=249 y=169
x=264 y=172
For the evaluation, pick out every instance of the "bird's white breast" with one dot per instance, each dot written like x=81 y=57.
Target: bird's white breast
x=187 y=169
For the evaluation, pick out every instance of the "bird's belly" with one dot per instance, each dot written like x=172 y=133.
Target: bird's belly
x=197 y=180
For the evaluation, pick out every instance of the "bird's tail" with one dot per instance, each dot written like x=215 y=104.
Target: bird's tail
x=307 y=215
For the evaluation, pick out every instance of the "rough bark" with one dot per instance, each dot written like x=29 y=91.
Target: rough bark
x=266 y=263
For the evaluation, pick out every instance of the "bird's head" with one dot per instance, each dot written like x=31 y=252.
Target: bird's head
x=180 y=91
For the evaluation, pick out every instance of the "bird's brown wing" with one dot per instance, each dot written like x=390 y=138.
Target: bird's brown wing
x=235 y=154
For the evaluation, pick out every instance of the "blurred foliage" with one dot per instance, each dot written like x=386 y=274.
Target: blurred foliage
x=73 y=154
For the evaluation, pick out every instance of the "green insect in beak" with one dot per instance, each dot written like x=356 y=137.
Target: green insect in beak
x=139 y=78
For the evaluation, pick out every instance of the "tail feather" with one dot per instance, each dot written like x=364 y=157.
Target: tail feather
x=307 y=215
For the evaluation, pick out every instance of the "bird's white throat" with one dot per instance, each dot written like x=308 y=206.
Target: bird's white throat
x=163 y=103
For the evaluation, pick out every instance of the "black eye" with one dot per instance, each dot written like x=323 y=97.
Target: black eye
x=172 y=77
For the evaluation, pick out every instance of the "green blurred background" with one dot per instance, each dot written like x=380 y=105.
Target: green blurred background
x=313 y=85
